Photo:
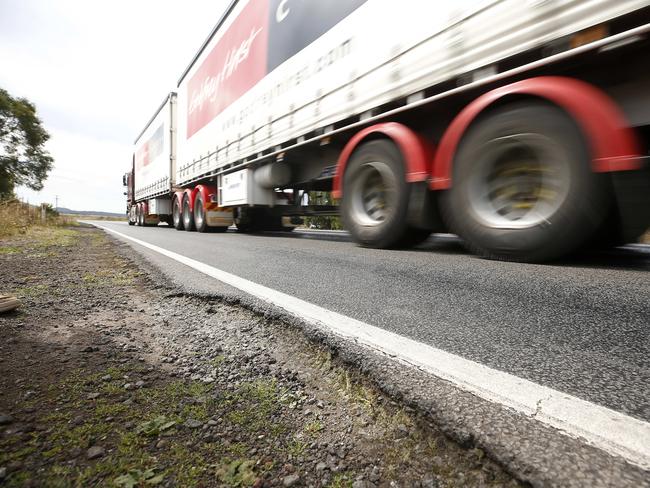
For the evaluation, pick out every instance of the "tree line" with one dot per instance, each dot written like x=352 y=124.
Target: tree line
x=24 y=161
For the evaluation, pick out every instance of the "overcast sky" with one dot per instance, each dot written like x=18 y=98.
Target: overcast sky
x=96 y=70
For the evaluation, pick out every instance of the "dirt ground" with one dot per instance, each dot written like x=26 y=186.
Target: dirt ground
x=111 y=378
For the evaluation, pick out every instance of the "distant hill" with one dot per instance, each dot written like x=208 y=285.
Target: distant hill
x=67 y=211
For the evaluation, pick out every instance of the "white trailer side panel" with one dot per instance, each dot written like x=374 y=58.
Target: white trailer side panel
x=154 y=153
x=262 y=80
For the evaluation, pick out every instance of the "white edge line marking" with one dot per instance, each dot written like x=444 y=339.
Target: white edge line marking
x=599 y=426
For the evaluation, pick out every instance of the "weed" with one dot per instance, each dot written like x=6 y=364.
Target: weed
x=52 y=452
x=254 y=403
x=237 y=449
x=155 y=426
x=239 y=472
x=218 y=361
x=10 y=250
x=136 y=477
x=45 y=237
x=313 y=428
x=341 y=480
x=297 y=448
x=31 y=291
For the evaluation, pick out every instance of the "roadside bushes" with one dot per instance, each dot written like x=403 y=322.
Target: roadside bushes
x=16 y=217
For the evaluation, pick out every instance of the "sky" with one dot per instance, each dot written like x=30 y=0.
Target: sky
x=96 y=70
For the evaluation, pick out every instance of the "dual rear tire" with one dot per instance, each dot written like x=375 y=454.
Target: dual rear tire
x=376 y=198
x=200 y=218
x=177 y=214
x=522 y=189
x=186 y=217
x=140 y=215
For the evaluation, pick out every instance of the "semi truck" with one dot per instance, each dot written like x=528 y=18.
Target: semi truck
x=521 y=126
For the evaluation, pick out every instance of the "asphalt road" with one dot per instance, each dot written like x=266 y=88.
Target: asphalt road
x=579 y=326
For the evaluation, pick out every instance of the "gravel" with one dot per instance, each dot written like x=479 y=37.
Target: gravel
x=95 y=452
x=179 y=375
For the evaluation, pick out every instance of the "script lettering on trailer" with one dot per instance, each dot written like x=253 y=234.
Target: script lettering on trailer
x=263 y=36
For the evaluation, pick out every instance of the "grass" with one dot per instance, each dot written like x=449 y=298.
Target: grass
x=31 y=291
x=341 y=480
x=52 y=236
x=297 y=447
x=345 y=382
x=313 y=428
x=10 y=250
x=17 y=218
x=126 y=431
x=253 y=404
x=110 y=277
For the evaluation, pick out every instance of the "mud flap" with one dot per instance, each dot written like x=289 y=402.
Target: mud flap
x=423 y=211
x=632 y=189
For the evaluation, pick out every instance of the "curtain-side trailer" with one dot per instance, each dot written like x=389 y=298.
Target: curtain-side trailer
x=521 y=126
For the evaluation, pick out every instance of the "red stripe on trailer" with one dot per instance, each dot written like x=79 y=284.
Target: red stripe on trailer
x=417 y=152
x=614 y=146
x=235 y=64
x=141 y=156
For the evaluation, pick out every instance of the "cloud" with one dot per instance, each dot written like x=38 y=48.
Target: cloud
x=85 y=171
x=96 y=72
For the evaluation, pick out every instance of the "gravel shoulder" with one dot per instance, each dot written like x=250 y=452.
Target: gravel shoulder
x=113 y=376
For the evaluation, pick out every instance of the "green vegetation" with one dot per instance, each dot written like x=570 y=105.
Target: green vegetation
x=9 y=250
x=237 y=473
x=322 y=222
x=17 y=218
x=341 y=480
x=158 y=413
x=313 y=428
x=23 y=157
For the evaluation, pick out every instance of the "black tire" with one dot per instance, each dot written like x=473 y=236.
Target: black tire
x=376 y=164
x=284 y=228
x=200 y=220
x=248 y=219
x=188 y=215
x=413 y=237
x=258 y=219
x=140 y=216
x=177 y=214
x=538 y=151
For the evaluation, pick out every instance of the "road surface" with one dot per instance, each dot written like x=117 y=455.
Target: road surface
x=582 y=326
x=578 y=327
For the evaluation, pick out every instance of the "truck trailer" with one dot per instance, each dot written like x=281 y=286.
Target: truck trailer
x=521 y=126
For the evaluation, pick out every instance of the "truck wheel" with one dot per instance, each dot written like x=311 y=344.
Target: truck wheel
x=413 y=237
x=177 y=214
x=247 y=219
x=376 y=195
x=523 y=189
x=140 y=214
x=200 y=220
x=188 y=217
